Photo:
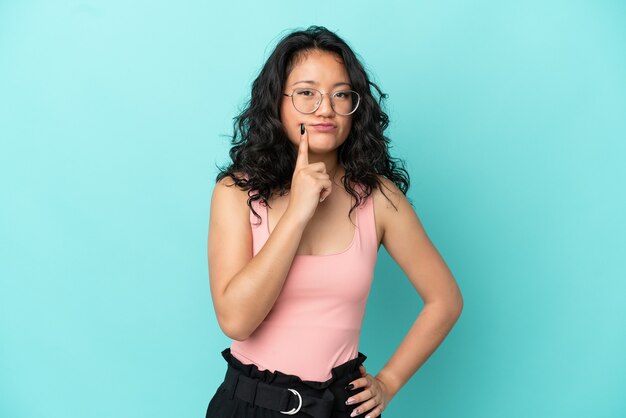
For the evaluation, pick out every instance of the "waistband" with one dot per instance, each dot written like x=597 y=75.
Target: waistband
x=288 y=393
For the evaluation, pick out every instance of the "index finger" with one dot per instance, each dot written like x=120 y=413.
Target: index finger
x=303 y=148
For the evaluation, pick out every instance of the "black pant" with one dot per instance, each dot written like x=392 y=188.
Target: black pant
x=225 y=404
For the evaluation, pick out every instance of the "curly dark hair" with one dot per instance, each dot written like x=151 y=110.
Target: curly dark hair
x=263 y=158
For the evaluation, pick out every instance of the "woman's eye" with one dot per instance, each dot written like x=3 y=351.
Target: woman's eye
x=341 y=94
x=305 y=93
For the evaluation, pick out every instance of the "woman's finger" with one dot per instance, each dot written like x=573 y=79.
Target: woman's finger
x=374 y=412
x=303 y=149
x=361 y=382
x=362 y=396
x=328 y=188
x=367 y=406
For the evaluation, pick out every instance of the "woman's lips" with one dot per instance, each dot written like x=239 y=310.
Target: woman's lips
x=323 y=127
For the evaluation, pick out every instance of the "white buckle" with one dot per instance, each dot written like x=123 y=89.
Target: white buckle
x=293 y=410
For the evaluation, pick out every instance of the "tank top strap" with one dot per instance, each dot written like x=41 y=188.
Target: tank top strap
x=260 y=210
x=367 y=224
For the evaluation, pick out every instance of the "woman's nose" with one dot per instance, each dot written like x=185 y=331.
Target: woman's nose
x=326 y=107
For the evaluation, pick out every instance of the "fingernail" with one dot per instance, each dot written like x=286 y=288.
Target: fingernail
x=349 y=387
x=349 y=401
x=354 y=413
x=302 y=129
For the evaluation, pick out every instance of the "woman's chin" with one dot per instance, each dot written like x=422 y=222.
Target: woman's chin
x=322 y=143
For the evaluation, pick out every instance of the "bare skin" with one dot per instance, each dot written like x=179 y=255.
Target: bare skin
x=244 y=288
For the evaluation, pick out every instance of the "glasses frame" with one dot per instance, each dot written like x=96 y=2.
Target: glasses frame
x=330 y=96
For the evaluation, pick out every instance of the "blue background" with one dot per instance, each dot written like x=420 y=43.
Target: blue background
x=510 y=116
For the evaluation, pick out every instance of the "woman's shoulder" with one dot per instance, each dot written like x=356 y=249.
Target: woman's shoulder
x=386 y=191
x=228 y=181
x=389 y=204
x=227 y=192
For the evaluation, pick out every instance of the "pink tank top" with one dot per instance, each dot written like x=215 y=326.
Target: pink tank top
x=315 y=323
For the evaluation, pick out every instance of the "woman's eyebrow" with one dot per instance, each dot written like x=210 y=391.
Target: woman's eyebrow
x=315 y=83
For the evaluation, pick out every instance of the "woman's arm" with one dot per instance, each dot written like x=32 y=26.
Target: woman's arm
x=244 y=288
x=408 y=244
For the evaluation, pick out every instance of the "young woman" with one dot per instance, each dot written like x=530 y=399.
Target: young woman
x=296 y=222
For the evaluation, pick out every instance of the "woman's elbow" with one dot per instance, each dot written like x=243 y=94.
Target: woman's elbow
x=449 y=306
x=233 y=329
x=458 y=306
x=455 y=306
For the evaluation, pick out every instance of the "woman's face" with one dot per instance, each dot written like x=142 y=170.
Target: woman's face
x=323 y=71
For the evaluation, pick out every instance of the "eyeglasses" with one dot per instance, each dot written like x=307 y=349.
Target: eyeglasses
x=307 y=100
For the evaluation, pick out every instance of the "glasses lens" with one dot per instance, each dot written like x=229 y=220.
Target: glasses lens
x=345 y=102
x=306 y=100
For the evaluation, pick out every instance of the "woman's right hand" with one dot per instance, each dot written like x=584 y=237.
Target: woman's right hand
x=310 y=183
